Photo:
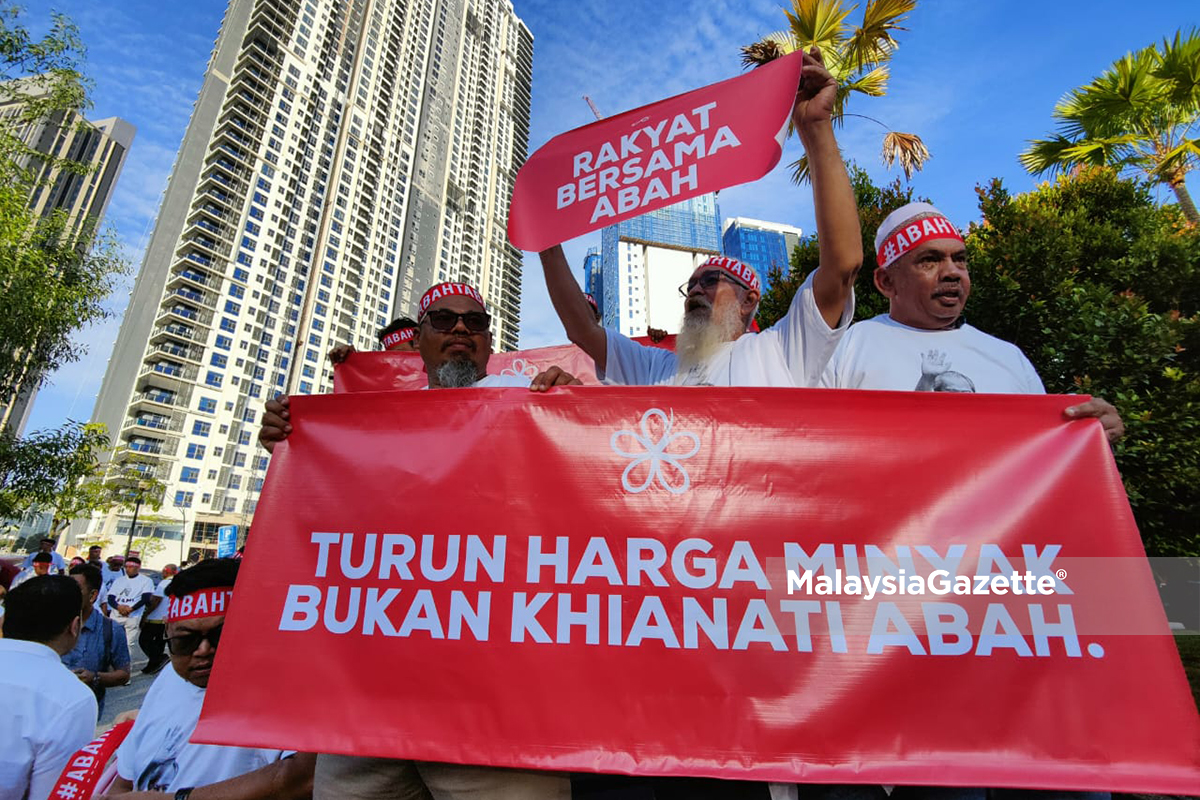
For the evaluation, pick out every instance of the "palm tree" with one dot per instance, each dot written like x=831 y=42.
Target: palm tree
x=857 y=56
x=1137 y=116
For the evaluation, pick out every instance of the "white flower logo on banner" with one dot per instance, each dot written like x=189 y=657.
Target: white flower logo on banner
x=657 y=454
x=520 y=366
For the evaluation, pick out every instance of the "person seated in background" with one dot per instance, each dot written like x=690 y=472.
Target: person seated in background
x=157 y=755
x=48 y=714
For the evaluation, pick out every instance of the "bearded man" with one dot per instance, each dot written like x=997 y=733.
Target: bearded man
x=714 y=347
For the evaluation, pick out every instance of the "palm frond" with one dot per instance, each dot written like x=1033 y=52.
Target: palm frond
x=818 y=22
x=908 y=149
x=770 y=47
x=873 y=42
x=872 y=84
x=1179 y=67
x=1045 y=155
x=799 y=169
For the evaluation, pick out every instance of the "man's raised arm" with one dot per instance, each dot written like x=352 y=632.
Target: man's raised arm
x=572 y=307
x=839 y=235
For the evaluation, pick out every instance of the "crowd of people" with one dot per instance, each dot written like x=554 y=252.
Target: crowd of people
x=58 y=655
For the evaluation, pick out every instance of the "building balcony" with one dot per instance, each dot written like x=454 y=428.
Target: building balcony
x=188 y=277
x=157 y=398
x=153 y=447
x=168 y=424
x=174 y=350
x=169 y=332
x=177 y=312
x=168 y=373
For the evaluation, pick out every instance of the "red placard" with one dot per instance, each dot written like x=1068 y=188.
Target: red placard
x=382 y=371
x=651 y=157
x=597 y=579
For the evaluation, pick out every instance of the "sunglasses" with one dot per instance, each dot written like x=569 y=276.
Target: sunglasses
x=443 y=320
x=185 y=644
x=707 y=282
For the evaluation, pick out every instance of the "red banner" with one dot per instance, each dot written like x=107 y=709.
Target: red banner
x=792 y=585
x=81 y=776
x=624 y=166
x=385 y=370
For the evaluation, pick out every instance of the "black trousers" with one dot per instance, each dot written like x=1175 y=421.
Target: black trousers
x=153 y=640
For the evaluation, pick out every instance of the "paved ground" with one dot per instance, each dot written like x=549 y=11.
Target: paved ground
x=127 y=698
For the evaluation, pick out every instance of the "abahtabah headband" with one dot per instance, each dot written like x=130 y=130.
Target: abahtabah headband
x=398 y=337
x=743 y=272
x=907 y=228
x=440 y=290
x=211 y=602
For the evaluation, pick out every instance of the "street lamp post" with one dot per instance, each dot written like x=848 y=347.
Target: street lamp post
x=182 y=534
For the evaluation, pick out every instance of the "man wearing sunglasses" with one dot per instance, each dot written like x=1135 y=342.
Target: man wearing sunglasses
x=721 y=297
x=454 y=339
x=157 y=755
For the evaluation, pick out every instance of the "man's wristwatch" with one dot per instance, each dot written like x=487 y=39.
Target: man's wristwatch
x=184 y=794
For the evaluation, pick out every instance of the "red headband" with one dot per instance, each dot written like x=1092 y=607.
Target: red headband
x=592 y=301
x=912 y=234
x=212 y=602
x=743 y=272
x=398 y=337
x=440 y=290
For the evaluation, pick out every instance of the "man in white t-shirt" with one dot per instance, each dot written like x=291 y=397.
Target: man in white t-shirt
x=48 y=713
x=454 y=339
x=58 y=566
x=922 y=343
x=151 y=639
x=714 y=347
x=157 y=755
x=127 y=597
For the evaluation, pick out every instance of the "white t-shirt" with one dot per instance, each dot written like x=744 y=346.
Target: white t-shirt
x=160 y=610
x=48 y=715
x=499 y=382
x=129 y=591
x=880 y=353
x=157 y=756
x=792 y=352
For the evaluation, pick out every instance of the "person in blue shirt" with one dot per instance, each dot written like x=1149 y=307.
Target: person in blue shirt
x=100 y=657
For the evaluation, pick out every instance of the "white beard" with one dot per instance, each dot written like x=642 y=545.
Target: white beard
x=457 y=374
x=701 y=335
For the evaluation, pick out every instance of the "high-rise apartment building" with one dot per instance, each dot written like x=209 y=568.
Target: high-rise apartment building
x=762 y=245
x=593 y=276
x=341 y=157
x=99 y=147
x=647 y=257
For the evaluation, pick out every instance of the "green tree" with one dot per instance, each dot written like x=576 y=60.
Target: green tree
x=1140 y=115
x=857 y=56
x=132 y=481
x=1099 y=287
x=55 y=274
x=874 y=203
x=51 y=470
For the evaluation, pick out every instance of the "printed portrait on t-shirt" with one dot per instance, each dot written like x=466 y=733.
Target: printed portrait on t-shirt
x=164 y=766
x=936 y=375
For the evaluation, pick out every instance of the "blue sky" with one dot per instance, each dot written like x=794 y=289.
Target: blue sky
x=975 y=80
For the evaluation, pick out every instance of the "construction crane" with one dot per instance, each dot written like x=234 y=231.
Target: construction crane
x=592 y=106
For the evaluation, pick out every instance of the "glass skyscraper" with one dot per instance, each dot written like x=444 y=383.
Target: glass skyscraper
x=760 y=244
x=644 y=257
